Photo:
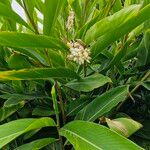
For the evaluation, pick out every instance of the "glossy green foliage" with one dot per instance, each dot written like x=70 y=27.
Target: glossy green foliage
x=51 y=11
x=12 y=130
x=86 y=135
x=102 y=104
x=37 y=73
x=83 y=63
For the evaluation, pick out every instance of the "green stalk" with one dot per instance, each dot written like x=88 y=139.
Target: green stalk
x=85 y=69
x=55 y=106
x=61 y=101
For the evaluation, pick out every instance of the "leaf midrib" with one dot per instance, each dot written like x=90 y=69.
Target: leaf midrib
x=77 y=135
x=105 y=105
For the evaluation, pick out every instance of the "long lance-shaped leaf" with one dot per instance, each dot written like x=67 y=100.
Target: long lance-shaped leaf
x=51 y=12
x=13 y=129
x=38 y=73
x=9 y=13
x=90 y=136
x=103 y=104
x=24 y=40
x=119 y=30
x=110 y=23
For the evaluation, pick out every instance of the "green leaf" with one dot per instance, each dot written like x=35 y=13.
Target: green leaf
x=9 y=13
x=7 y=111
x=38 y=73
x=113 y=29
x=33 y=53
x=52 y=9
x=56 y=58
x=111 y=23
x=30 y=7
x=39 y=5
x=124 y=126
x=36 y=145
x=13 y=99
x=24 y=40
x=103 y=104
x=90 y=136
x=117 y=6
x=89 y=83
x=13 y=129
x=77 y=7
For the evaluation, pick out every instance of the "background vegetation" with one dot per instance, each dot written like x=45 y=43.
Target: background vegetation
x=75 y=75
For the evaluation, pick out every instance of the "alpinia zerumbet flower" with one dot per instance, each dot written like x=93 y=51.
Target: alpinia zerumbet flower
x=78 y=53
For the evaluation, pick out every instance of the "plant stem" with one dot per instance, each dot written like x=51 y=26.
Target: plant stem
x=55 y=106
x=61 y=101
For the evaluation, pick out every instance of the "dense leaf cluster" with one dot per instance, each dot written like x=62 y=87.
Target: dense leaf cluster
x=90 y=95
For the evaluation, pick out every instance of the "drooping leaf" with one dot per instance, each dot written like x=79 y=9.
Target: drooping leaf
x=52 y=9
x=90 y=136
x=89 y=83
x=8 y=12
x=103 y=104
x=24 y=40
x=124 y=126
x=13 y=129
x=38 y=73
x=37 y=144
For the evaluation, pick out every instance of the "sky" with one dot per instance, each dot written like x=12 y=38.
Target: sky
x=18 y=9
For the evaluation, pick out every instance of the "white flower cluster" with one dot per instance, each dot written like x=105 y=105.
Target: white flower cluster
x=70 y=21
x=78 y=53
